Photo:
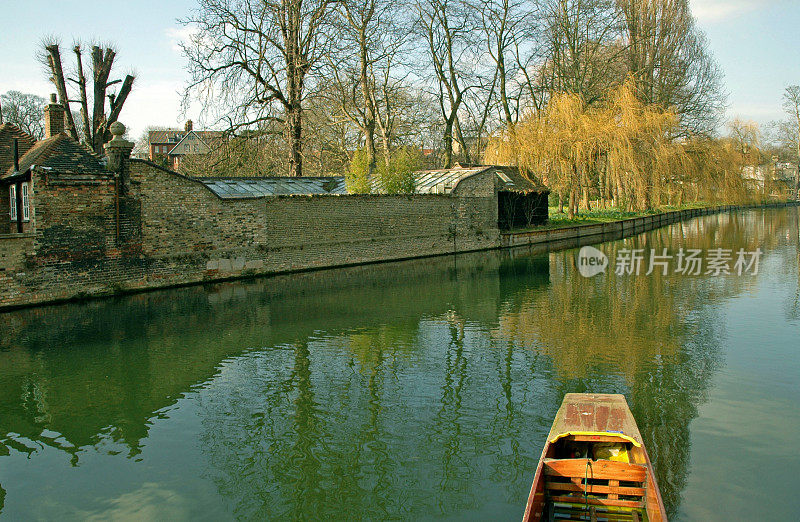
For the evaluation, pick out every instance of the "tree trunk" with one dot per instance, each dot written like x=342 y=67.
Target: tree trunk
x=448 y=142
x=797 y=183
x=87 y=129
x=501 y=71
x=294 y=137
x=572 y=204
x=369 y=109
x=462 y=143
x=294 y=108
x=54 y=62
x=101 y=66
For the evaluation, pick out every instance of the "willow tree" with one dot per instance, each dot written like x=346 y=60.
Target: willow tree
x=622 y=152
x=251 y=59
x=560 y=145
x=642 y=158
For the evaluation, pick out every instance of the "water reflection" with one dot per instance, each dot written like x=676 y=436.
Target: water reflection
x=395 y=391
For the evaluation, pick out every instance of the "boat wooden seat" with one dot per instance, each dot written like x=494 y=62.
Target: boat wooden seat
x=596 y=483
x=573 y=512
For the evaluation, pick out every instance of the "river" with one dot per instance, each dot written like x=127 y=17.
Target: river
x=415 y=390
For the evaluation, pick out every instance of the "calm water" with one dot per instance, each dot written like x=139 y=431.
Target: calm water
x=413 y=390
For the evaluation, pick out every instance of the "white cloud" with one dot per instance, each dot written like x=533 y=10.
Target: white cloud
x=36 y=86
x=152 y=103
x=180 y=35
x=710 y=11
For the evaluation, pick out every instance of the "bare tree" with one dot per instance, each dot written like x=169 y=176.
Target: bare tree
x=95 y=129
x=362 y=79
x=504 y=23
x=791 y=104
x=668 y=58
x=25 y=111
x=447 y=28
x=581 y=52
x=255 y=57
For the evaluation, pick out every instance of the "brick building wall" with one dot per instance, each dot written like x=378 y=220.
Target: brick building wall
x=189 y=234
x=5 y=210
x=163 y=229
x=6 y=224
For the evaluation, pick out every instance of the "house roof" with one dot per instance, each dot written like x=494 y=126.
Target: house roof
x=174 y=136
x=512 y=179
x=165 y=136
x=8 y=133
x=236 y=188
x=203 y=136
x=444 y=181
x=60 y=153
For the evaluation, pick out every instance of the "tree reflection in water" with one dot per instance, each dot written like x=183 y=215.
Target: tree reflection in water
x=395 y=391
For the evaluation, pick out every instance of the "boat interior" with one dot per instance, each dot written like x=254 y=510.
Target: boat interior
x=596 y=478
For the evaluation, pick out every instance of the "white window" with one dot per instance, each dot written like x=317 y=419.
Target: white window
x=12 y=193
x=12 y=197
x=26 y=212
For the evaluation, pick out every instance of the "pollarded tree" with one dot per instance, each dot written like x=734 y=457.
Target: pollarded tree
x=251 y=59
x=95 y=131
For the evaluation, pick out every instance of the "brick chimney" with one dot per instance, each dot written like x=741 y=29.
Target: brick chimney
x=53 y=118
x=188 y=125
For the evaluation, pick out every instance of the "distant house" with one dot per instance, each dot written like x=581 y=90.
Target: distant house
x=170 y=146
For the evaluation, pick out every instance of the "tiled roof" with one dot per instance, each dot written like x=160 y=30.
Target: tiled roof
x=444 y=181
x=513 y=179
x=165 y=136
x=61 y=154
x=173 y=136
x=233 y=188
x=7 y=134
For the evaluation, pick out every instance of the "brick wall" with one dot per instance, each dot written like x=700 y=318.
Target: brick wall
x=6 y=224
x=5 y=216
x=13 y=251
x=165 y=229
x=189 y=234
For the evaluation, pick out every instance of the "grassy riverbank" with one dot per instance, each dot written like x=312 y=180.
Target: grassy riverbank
x=605 y=215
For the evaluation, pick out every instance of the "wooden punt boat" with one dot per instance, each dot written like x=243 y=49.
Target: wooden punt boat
x=594 y=466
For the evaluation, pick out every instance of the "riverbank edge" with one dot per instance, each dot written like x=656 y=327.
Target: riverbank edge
x=626 y=227
x=556 y=238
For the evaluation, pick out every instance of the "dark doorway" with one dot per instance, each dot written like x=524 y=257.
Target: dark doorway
x=521 y=209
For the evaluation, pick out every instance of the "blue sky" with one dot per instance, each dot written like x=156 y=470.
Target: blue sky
x=756 y=42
